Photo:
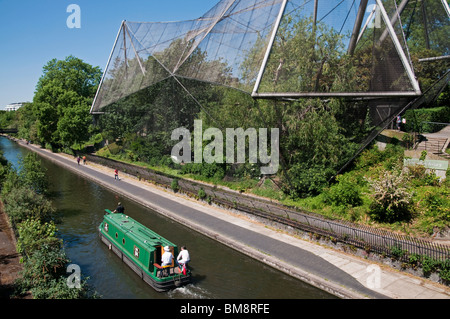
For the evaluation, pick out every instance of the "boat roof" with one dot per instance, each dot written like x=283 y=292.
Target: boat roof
x=139 y=232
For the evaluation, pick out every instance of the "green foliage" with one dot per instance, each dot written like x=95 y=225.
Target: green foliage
x=201 y=193
x=44 y=275
x=397 y=251
x=416 y=119
x=419 y=176
x=5 y=169
x=444 y=273
x=408 y=139
x=345 y=193
x=62 y=101
x=372 y=157
x=306 y=181
x=174 y=185
x=32 y=215
x=209 y=170
x=434 y=204
x=423 y=155
x=391 y=200
x=23 y=192
x=23 y=203
x=33 y=234
x=32 y=174
x=429 y=265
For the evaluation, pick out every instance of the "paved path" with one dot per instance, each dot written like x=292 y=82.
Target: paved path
x=341 y=274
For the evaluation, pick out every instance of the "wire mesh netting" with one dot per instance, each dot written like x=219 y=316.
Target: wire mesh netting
x=263 y=64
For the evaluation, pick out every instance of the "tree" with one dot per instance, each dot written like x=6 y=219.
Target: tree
x=62 y=101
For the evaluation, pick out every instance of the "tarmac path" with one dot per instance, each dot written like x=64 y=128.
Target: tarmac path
x=341 y=274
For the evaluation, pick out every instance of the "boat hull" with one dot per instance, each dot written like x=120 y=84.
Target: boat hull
x=159 y=286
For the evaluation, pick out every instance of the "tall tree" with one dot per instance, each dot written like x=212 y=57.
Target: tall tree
x=62 y=100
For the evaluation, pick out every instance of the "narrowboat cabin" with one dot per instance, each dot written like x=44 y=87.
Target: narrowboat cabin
x=141 y=249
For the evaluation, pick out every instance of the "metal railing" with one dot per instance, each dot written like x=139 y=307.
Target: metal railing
x=364 y=237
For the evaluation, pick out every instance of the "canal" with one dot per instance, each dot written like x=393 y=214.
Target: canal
x=219 y=271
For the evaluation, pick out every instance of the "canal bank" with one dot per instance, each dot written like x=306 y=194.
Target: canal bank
x=343 y=275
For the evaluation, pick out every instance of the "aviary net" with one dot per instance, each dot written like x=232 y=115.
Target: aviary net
x=329 y=74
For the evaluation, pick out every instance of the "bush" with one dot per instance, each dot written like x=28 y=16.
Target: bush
x=33 y=174
x=445 y=271
x=174 y=185
x=307 y=181
x=397 y=252
x=390 y=157
x=429 y=265
x=33 y=234
x=208 y=170
x=23 y=203
x=44 y=274
x=391 y=201
x=345 y=192
x=435 y=204
x=201 y=193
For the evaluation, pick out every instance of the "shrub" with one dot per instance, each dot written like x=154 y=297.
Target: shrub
x=429 y=265
x=307 y=181
x=445 y=271
x=33 y=174
x=44 y=274
x=435 y=204
x=23 y=203
x=391 y=201
x=423 y=155
x=408 y=140
x=174 y=185
x=201 y=193
x=345 y=192
x=397 y=252
x=33 y=234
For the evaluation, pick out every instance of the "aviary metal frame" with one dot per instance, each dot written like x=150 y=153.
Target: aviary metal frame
x=398 y=47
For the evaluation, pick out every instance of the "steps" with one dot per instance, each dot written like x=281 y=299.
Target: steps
x=432 y=145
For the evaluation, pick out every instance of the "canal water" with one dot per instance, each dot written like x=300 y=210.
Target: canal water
x=219 y=272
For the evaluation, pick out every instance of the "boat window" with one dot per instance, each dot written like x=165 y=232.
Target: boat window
x=123 y=241
x=117 y=235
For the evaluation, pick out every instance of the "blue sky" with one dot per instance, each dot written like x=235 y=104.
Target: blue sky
x=35 y=31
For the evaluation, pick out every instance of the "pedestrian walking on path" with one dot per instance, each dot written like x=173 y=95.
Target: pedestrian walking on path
x=116 y=174
x=78 y=160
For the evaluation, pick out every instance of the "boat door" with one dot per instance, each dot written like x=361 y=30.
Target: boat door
x=159 y=251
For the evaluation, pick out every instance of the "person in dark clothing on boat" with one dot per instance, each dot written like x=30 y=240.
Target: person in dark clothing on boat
x=120 y=209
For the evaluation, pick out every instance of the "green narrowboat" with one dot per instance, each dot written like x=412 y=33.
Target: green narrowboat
x=141 y=249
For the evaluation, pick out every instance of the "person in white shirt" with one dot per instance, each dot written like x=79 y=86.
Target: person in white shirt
x=183 y=257
x=167 y=257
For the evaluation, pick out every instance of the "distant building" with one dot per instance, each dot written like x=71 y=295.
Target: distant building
x=14 y=106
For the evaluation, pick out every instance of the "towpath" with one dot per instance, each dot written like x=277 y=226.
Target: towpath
x=341 y=274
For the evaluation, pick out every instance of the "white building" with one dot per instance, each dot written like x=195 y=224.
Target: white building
x=14 y=106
